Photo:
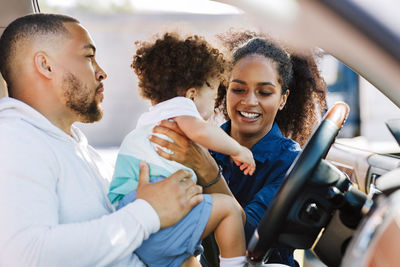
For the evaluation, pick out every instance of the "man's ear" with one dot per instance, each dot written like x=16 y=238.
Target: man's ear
x=191 y=93
x=283 y=99
x=42 y=65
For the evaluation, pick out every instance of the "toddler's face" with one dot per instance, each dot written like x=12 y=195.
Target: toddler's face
x=205 y=98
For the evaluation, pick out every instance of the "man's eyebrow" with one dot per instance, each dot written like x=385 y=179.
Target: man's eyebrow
x=90 y=46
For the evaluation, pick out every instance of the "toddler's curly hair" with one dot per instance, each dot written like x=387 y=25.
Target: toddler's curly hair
x=169 y=66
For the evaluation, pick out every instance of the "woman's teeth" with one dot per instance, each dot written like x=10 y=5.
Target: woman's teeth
x=249 y=114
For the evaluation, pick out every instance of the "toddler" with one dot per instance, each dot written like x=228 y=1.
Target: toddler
x=181 y=78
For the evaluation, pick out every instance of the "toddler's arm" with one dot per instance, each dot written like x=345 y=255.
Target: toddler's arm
x=214 y=138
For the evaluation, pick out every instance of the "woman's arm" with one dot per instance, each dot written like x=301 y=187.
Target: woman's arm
x=191 y=155
x=214 y=138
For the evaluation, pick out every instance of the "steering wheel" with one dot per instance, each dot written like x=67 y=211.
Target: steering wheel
x=296 y=178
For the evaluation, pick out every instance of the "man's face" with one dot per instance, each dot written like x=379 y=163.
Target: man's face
x=82 y=99
x=80 y=76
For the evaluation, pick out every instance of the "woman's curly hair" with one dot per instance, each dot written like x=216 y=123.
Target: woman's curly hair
x=298 y=73
x=169 y=66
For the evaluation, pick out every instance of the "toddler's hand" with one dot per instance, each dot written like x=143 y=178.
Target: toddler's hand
x=245 y=161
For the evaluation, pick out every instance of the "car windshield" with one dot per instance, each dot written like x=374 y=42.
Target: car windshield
x=116 y=24
x=384 y=11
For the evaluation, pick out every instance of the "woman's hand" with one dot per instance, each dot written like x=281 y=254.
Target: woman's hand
x=185 y=151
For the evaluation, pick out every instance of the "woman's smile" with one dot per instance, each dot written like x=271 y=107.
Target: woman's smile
x=249 y=116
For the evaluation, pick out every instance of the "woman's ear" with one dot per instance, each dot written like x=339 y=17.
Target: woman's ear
x=283 y=100
x=191 y=93
x=42 y=65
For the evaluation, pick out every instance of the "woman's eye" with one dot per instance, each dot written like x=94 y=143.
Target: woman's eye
x=237 y=90
x=90 y=57
x=263 y=93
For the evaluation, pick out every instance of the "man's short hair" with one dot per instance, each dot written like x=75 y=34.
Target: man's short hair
x=24 y=29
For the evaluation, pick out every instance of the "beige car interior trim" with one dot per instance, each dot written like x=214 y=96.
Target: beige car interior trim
x=351 y=161
x=9 y=11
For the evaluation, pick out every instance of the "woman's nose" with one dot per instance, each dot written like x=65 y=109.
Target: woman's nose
x=250 y=99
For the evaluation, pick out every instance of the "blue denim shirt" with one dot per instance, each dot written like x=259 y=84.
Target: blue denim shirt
x=273 y=155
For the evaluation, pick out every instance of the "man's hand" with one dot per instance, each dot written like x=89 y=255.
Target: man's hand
x=172 y=198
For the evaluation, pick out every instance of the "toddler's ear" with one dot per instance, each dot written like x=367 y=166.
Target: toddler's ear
x=191 y=93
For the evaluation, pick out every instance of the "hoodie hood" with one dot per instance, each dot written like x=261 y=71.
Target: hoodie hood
x=12 y=110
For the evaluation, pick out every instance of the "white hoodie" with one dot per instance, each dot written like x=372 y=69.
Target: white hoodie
x=53 y=204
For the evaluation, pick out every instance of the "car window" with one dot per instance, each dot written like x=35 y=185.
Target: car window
x=369 y=109
x=115 y=29
x=385 y=11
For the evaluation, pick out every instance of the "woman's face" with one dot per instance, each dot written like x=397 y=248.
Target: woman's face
x=254 y=96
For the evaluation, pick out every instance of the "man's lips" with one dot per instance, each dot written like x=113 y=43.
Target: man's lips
x=100 y=91
x=100 y=88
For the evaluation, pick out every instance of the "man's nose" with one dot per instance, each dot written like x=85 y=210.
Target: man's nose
x=100 y=74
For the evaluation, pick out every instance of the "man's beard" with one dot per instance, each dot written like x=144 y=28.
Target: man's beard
x=80 y=99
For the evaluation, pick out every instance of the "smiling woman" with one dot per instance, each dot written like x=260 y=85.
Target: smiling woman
x=287 y=88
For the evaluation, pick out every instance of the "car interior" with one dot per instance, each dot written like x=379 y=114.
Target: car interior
x=339 y=204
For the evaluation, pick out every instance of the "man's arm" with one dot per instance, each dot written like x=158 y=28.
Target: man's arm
x=30 y=229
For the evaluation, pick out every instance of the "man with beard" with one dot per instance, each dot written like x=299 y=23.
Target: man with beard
x=53 y=185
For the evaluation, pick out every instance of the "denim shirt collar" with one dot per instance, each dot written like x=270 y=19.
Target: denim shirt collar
x=263 y=149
